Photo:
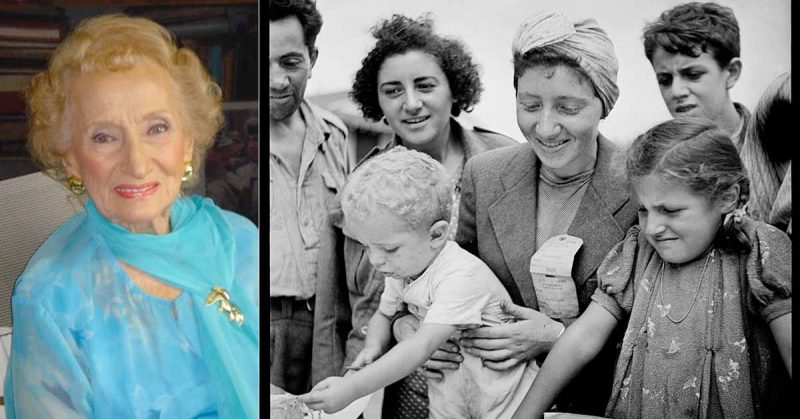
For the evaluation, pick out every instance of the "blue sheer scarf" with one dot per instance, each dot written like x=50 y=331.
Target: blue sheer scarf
x=197 y=256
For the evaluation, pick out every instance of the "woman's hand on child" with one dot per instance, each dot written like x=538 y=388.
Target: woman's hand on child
x=329 y=395
x=504 y=346
x=447 y=357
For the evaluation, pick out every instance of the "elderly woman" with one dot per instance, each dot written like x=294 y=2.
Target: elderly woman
x=561 y=182
x=145 y=304
x=417 y=82
x=767 y=155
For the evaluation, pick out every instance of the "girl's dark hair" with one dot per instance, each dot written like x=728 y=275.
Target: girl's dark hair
x=399 y=35
x=695 y=153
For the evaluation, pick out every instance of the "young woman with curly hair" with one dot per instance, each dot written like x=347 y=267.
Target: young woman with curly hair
x=417 y=82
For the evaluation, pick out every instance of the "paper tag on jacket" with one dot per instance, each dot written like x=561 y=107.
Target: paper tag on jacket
x=551 y=271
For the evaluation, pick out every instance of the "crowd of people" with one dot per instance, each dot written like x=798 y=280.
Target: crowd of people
x=472 y=276
x=467 y=274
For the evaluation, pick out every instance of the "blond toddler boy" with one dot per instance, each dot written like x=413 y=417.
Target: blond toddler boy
x=398 y=206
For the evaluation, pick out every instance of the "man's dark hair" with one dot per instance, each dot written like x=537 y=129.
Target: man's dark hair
x=693 y=28
x=305 y=11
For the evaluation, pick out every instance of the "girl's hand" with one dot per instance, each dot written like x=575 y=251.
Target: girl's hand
x=329 y=395
x=504 y=346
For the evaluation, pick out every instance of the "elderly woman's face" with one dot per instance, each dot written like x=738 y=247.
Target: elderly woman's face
x=559 y=113
x=415 y=97
x=128 y=145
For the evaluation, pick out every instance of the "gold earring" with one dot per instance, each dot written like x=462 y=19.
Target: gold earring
x=188 y=171
x=75 y=185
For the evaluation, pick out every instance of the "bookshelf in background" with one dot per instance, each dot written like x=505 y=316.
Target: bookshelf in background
x=224 y=34
x=224 y=37
x=231 y=171
x=26 y=42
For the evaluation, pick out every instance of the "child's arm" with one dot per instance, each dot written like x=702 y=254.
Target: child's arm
x=782 y=332
x=579 y=344
x=403 y=358
x=335 y=393
x=447 y=357
x=379 y=333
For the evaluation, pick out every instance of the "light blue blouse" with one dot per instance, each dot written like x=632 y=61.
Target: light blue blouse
x=88 y=342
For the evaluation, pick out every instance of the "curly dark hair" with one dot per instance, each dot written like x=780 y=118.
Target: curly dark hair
x=693 y=28
x=305 y=11
x=400 y=34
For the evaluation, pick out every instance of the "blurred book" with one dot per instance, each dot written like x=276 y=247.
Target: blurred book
x=26 y=53
x=14 y=131
x=199 y=28
x=169 y=15
x=14 y=82
x=12 y=102
x=29 y=29
x=10 y=65
x=15 y=43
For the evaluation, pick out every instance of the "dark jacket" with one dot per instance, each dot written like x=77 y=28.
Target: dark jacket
x=497 y=222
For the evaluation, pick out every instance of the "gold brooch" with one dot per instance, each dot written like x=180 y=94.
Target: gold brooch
x=220 y=295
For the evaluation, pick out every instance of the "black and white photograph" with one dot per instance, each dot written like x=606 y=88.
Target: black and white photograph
x=497 y=209
x=518 y=209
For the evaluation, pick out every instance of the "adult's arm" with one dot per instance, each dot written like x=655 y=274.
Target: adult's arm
x=504 y=346
x=581 y=342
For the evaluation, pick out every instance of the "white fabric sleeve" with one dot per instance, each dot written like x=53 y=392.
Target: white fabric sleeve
x=459 y=299
x=392 y=297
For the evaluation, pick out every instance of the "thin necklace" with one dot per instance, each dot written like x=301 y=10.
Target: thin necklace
x=696 y=293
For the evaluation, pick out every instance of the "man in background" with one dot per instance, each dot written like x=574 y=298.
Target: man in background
x=308 y=164
x=694 y=49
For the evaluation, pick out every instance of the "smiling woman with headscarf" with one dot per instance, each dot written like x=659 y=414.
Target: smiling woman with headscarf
x=562 y=181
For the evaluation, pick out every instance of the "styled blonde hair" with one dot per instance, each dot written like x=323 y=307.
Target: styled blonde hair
x=108 y=43
x=406 y=183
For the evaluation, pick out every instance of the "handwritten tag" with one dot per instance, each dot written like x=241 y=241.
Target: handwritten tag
x=551 y=271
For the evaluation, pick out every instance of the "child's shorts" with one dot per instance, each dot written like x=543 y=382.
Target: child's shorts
x=476 y=392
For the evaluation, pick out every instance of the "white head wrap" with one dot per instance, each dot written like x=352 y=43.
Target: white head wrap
x=583 y=41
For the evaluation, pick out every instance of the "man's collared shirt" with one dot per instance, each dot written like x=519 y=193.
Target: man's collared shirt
x=298 y=203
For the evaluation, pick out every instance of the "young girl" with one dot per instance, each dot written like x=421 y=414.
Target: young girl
x=707 y=292
x=398 y=205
